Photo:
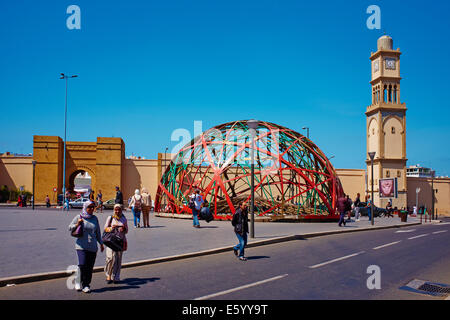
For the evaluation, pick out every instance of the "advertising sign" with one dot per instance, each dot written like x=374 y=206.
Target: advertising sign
x=388 y=188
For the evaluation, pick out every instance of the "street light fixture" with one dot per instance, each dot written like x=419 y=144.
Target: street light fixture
x=432 y=194
x=34 y=168
x=66 y=77
x=417 y=199
x=307 y=131
x=252 y=125
x=372 y=156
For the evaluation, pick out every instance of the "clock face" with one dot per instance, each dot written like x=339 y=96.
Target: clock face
x=390 y=63
x=376 y=66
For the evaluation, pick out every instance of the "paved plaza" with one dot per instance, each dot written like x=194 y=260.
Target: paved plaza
x=38 y=241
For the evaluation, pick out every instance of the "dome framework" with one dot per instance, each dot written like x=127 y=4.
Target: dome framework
x=293 y=177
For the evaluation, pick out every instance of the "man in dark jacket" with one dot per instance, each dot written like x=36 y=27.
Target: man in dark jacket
x=240 y=224
x=119 y=197
x=342 y=206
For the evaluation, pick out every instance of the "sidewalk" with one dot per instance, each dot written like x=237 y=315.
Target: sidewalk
x=38 y=242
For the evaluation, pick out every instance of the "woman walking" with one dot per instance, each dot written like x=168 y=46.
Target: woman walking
x=136 y=208
x=114 y=258
x=240 y=224
x=146 y=206
x=86 y=245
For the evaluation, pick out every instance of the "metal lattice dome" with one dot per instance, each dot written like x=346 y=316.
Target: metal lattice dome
x=293 y=177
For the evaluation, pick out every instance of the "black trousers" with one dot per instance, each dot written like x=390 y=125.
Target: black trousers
x=86 y=261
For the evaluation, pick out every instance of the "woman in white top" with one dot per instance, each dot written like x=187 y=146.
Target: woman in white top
x=136 y=208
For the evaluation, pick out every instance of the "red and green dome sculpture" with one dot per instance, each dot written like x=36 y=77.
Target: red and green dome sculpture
x=293 y=177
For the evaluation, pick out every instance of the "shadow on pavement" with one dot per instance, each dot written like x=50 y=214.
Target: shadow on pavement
x=129 y=283
x=257 y=257
x=46 y=229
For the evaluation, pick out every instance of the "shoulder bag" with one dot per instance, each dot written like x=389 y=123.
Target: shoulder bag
x=112 y=239
x=78 y=231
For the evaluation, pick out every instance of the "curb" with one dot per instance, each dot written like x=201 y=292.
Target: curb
x=14 y=280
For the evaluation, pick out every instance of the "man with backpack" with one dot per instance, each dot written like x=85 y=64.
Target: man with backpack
x=195 y=204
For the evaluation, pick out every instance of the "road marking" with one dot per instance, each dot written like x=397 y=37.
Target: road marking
x=400 y=231
x=444 y=223
x=436 y=232
x=386 y=245
x=335 y=260
x=419 y=236
x=241 y=287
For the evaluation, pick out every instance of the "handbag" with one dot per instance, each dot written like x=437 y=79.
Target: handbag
x=113 y=240
x=78 y=231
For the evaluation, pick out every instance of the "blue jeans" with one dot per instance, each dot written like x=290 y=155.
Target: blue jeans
x=137 y=216
x=242 y=243
x=369 y=213
x=342 y=218
x=195 y=213
x=66 y=206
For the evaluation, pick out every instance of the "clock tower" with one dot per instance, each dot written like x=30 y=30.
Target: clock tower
x=386 y=124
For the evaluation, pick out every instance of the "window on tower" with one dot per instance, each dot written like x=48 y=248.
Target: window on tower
x=393 y=130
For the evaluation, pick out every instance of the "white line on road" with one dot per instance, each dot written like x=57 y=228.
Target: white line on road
x=241 y=287
x=404 y=231
x=335 y=260
x=419 y=236
x=444 y=223
x=436 y=232
x=386 y=245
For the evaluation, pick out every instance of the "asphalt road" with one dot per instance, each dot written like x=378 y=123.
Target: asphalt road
x=328 y=267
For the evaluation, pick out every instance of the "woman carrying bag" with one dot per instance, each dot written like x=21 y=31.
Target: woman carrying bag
x=136 y=208
x=117 y=223
x=86 y=244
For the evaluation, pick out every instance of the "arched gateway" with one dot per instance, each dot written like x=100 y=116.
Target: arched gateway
x=102 y=159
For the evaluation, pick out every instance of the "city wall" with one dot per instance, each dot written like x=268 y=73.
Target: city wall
x=106 y=163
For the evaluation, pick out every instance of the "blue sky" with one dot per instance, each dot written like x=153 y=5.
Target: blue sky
x=147 y=68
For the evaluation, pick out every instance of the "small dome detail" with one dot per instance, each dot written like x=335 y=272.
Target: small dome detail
x=385 y=42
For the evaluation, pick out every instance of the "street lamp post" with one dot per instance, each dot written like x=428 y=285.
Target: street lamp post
x=34 y=169
x=417 y=199
x=66 y=77
x=372 y=156
x=252 y=125
x=432 y=195
x=307 y=131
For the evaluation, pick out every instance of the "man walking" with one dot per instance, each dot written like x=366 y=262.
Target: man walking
x=119 y=197
x=195 y=203
x=240 y=224
x=356 y=205
x=349 y=209
x=342 y=206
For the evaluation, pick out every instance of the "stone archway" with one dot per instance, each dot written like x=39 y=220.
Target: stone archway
x=102 y=159
x=70 y=180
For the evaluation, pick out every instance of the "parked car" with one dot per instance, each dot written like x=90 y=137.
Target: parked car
x=78 y=203
x=109 y=205
x=364 y=210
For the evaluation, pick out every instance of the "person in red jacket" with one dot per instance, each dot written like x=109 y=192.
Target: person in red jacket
x=341 y=207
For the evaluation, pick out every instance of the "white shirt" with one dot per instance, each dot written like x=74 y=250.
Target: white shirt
x=198 y=201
